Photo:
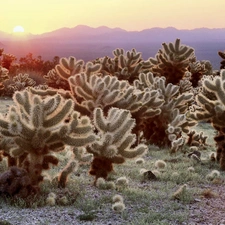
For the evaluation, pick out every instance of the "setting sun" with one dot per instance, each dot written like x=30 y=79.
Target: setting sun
x=18 y=29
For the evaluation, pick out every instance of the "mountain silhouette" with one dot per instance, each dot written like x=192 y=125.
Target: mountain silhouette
x=88 y=43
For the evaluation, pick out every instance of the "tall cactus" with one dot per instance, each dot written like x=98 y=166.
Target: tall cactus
x=172 y=61
x=115 y=141
x=124 y=65
x=37 y=126
x=213 y=110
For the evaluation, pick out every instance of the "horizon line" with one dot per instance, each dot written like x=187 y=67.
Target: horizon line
x=80 y=25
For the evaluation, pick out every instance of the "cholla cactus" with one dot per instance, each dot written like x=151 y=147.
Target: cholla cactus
x=20 y=82
x=222 y=63
x=114 y=141
x=55 y=81
x=69 y=67
x=166 y=127
x=124 y=65
x=79 y=155
x=37 y=126
x=97 y=91
x=108 y=91
x=213 y=111
x=197 y=139
x=172 y=61
x=198 y=69
x=3 y=77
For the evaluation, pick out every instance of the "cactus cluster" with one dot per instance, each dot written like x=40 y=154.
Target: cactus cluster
x=19 y=83
x=172 y=61
x=213 y=110
x=35 y=127
x=124 y=65
x=114 y=142
x=105 y=111
x=166 y=127
x=3 y=77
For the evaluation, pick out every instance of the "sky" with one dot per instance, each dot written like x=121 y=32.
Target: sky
x=40 y=16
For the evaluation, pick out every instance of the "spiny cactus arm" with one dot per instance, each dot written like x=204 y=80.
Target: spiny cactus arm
x=118 y=51
x=70 y=167
x=69 y=67
x=82 y=155
x=145 y=81
x=111 y=97
x=152 y=99
x=24 y=78
x=91 y=68
x=134 y=152
x=187 y=125
x=217 y=86
x=51 y=92
x=60 y=114
x=178 y=120
x=12 y=125
x=51 y=104
x=37 y=116
x=23 y=146
x=96 y=147
x=130 y=100
x=79 y=142
x=118 y=159
x=80 y=86
x=124 y=130
x=83 y=109
x=23 y=99
x=183 y=99
x=176 y=144
x=83 y=127
x=99 y=120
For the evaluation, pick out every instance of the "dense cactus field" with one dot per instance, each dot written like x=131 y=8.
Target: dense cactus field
x=122 y=127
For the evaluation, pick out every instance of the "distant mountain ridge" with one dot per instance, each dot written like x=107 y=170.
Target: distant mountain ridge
x=151 y=34
x=88 y=43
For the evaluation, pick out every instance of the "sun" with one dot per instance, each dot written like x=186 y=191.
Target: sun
x=18 y=29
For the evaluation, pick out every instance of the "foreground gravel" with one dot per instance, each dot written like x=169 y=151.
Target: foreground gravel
x=54 y=216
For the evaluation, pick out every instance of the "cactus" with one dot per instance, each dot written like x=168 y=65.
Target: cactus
x=124 y=65
x=198 y=69
x=55 y=81
x=69 y=67
x=172 y=61
x=213 y=110
x=78 y=155
x=222 y=63
x=37 y=126
x=108 y=91
x=115 y=141
x=19 y=83
x=3 y=77
x=165 y=127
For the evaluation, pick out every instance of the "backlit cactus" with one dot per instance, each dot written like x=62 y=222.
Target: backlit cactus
x=3 y=77
x=124 y=65
x=213 y=110
x=68 y=67
x=172 y=61
x=35 y=127
x=165 y=127
x=115 y=141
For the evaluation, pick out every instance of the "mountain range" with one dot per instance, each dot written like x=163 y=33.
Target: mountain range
x=89 y=43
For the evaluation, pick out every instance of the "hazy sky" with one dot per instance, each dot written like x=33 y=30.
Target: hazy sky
x=39 y=16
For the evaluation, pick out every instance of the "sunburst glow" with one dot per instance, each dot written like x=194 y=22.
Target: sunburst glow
x=18 y=29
